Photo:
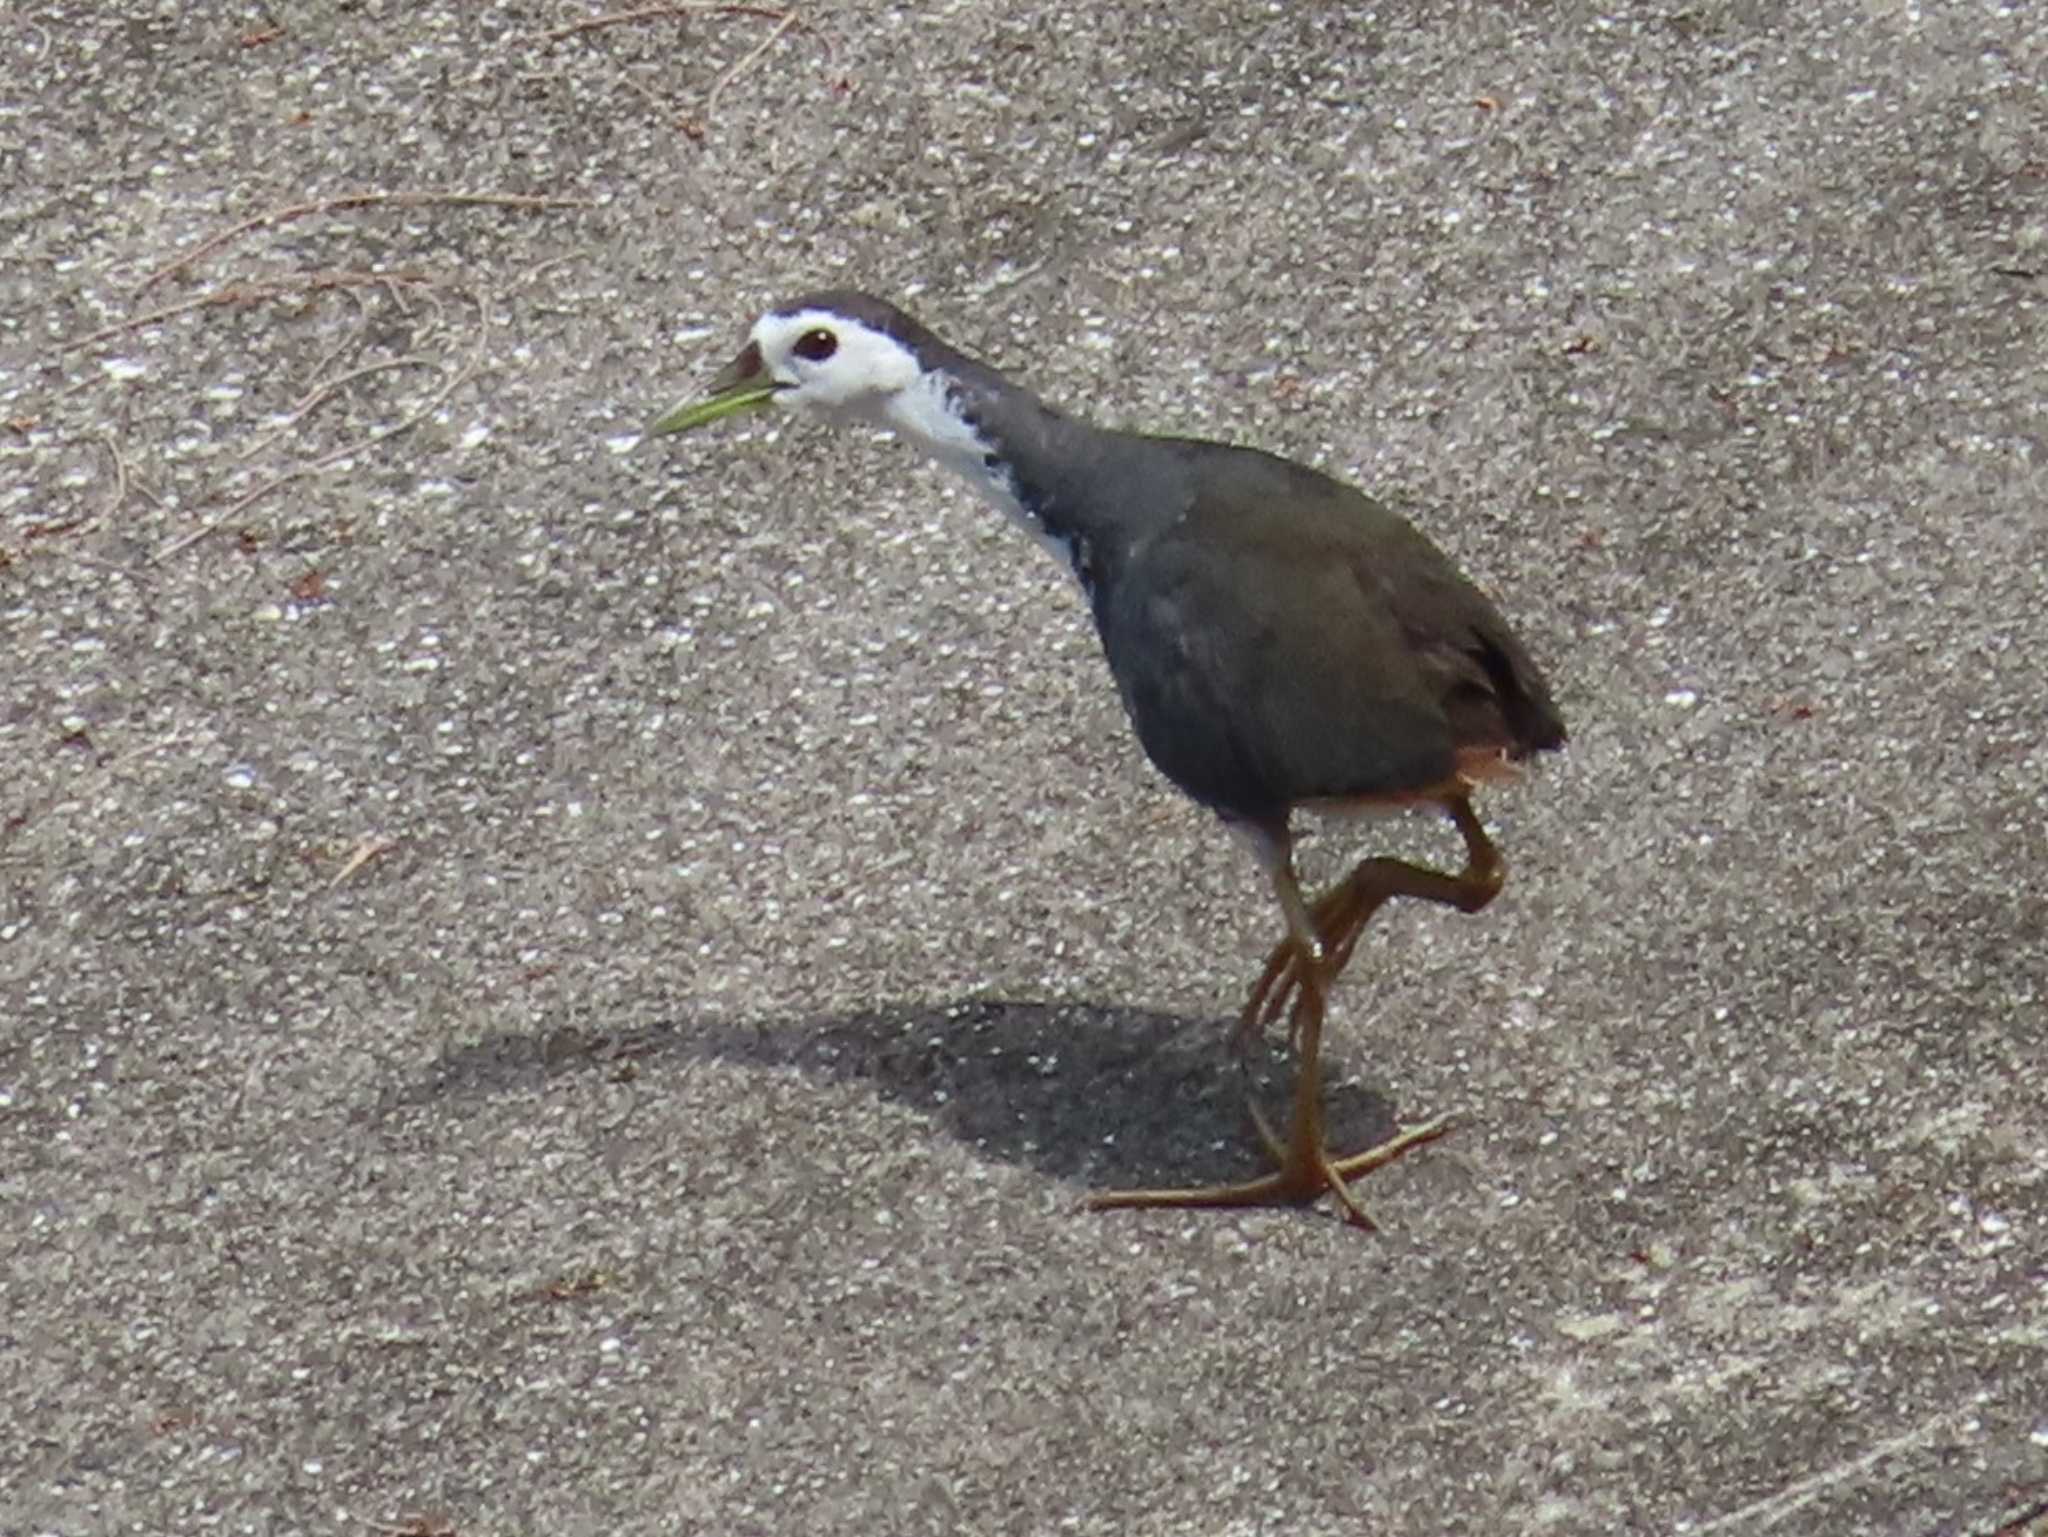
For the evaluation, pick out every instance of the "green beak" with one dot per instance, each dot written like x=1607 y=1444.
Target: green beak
x=743 y=385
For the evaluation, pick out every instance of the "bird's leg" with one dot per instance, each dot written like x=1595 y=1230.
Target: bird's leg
x=1338 y=920
x=1305 y=1168
x=1306 y=1146
x=1342 y=913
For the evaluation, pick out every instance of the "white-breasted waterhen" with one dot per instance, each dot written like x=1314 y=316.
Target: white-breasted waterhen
x=1281 y=641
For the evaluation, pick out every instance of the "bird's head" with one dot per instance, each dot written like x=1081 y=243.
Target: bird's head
x=840 y=357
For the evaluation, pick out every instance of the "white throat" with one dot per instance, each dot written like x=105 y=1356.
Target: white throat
x=926 y=414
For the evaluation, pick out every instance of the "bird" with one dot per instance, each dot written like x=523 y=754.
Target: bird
x=1282 y=643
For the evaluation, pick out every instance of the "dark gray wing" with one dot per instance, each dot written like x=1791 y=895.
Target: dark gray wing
x=1287 y=639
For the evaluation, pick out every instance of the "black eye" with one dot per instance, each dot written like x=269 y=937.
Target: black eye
x=817 y=345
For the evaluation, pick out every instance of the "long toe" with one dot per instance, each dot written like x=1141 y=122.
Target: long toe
x=1291 y=1186
x=1378 y=1156
x=1303 y=1175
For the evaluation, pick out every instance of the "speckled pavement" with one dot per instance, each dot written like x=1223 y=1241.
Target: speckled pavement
x=551 y=984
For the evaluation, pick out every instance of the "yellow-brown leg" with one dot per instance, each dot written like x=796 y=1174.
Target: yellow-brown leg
x=1305 y=1168
x=1342 y=913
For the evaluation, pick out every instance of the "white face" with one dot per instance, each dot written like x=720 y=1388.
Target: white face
x=833 y=367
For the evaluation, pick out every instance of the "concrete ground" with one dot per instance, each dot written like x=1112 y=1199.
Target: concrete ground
x=555 y=985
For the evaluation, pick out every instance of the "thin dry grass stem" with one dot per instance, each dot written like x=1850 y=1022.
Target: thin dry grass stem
x=414 y=1526
x=250 y=291
x=319 y=394
x=365 y=851
x=439 y=398
x=244 y=502
x=348 y=343
x=745 y=63
x=659 y=106
x=291 y=211
x=113 y=449
x=674 y=11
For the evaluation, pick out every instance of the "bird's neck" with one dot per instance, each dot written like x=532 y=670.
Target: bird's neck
x=1020 y=455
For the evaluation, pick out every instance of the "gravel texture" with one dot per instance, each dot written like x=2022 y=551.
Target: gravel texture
x=556 y=985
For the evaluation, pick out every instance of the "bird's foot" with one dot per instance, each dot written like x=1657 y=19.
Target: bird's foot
x=1304 y=1173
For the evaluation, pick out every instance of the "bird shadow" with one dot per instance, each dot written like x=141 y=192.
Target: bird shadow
x=1099 y=1093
